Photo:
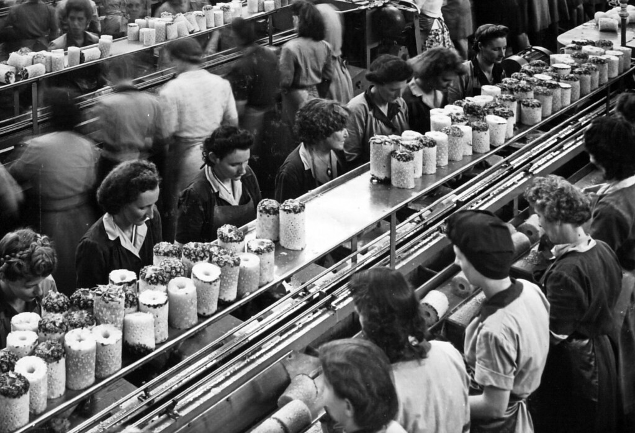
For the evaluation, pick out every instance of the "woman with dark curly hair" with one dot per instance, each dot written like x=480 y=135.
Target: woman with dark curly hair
x=358 y=391
x=433 y=72
x=306 y=68
x=430 y=377
x=27 y=260
x=321 y=130
x=379 y=110
x=225 y=191
x=122 y=238
x=579 y=386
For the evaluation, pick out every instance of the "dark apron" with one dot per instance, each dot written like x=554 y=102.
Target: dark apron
x=237 y=215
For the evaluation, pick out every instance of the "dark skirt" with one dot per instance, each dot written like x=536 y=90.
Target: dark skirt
x=578 y=391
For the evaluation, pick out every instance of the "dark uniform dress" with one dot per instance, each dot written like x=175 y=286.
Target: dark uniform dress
x=578 y=390
x=98 y=253
x=613 y=223
x=202 y=211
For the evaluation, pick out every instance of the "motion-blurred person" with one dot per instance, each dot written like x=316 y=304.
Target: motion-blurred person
x=433 y=72
x=433 y=29
x=137 y=9
x=458 y=16
x=379 y=110
x=112 y=14
x=173 y=6
x=610 y=143
x=579 y=388
x=31 y=24
x=27 y=260
x=196 y=103
x=430 y=377
x=87 y=79
x=341 y=87
x=625 y=107
x=321 y=129
x=130 y=123
x=255 y=78
x=358 y=391
x=506 y=346
x=57 y=171
x=78 y=15
x=124 y=236
x=60 y=11
x=485 y=67
x=306 y=68
x=225 y=191
x=11 y=197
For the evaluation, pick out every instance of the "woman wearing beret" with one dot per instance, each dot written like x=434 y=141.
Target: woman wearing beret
x=579 y=388
x=124 y=236
x=506 y=346
x=379 y=110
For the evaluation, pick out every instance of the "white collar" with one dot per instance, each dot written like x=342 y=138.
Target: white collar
x=615 y=186
x=307 y=158
x=581 y=246
x=113 y=232
x=232 y=197
x=428 y=98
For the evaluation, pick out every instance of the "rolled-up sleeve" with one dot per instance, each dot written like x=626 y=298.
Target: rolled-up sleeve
x=495 y=362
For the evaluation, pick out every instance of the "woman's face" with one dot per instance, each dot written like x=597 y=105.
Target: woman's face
x=493 y=51
x=390 y=92
x=598 y=166
x=552 y=229
x=233 y=166
x=443 y=81
x=25 y=288
x=335 y=406
x=467 y=268
x=137 y=212
x=337 y=139
x=295 y=20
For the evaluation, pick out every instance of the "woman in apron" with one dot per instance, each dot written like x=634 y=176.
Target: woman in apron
x=579 y=385
x=609 y=141
x=225 y=191
x=485 y=67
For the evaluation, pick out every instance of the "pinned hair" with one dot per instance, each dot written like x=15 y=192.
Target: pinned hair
x=25 y=253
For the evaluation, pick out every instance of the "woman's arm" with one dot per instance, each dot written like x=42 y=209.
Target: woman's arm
x=287 y=67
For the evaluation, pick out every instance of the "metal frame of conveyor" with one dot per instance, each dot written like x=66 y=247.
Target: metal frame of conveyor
x=338 y=213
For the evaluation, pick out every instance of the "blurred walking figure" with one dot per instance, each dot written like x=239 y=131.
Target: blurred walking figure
x=130 y=124
x=306 y=67
x=196 y=103
x=57 y=172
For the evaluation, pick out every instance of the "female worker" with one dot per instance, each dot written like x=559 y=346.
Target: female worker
x=379 y=110
x=579 y=387
x=358 y=391
x=225 y=191
x=27 y=260
x=305 y=62
x=392 y=320
x=485 y=68
x=433 y=72
x=124 y=236
x=59 y=169
x=321 y=130
x=609 y=141
x=506 y=346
